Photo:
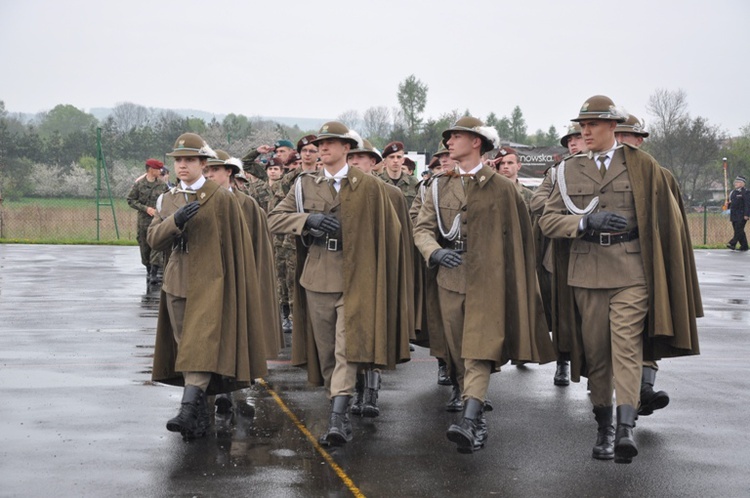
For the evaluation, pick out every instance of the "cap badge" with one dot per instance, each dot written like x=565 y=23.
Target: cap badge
x=585 y=107
x=180 y=144
x=324 y=129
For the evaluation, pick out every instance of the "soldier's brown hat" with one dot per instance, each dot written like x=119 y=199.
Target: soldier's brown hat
x=306 y=140
x=488 y=134
x=392 y=148
x=573 y=130
x=434 y=162
x=505 y=151
x=222 y=159
x=335 y=129
x=367 y=148
x=600 y=107
x=154 y=163
x=410 y=165
x=191 y=145
x=275 y=161
x=441 y=150
x=293 y=158
x=632 y=125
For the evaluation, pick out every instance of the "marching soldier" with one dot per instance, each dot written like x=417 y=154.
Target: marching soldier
x=739 y=213
x=350 y=309
x=493 y=312
x=630 y=256
x=142 y=198
x=207 y=344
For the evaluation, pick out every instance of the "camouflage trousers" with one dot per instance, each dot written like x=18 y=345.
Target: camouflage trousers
x=285 y=272
x=149 y=257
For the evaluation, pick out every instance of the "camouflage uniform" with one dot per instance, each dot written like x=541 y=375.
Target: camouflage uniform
x=143 y=195
x=261 y=192
x=407 y=184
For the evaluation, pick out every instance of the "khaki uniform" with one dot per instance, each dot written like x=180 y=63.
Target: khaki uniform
x=406 y=183
x=608 y=280
x=490 y=304
x=143 y=195
x=346 y=292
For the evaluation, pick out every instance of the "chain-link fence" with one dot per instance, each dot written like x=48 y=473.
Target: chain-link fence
x=74 y=220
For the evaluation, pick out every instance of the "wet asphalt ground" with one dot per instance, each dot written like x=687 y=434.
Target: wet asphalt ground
x=80 y=417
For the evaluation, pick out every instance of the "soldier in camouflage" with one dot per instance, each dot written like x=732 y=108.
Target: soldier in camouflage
x=142 y=198
x=393 y=157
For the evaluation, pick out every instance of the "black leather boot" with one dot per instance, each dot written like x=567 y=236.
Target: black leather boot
x=443 y=377
x=464 y=434
x=455 y=404
x=372 y=386
x=223 y=403
x=339 y=425
x=359 y=395
x=192 y=421
x=604 y=449
x=651 y=400
x=286 y=322
x=625 y=447
x=562 y=373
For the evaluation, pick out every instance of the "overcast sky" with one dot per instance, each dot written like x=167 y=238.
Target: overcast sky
x=319 y=59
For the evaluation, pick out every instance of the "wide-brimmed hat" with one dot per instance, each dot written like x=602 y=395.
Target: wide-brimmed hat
x=335 y=129
x=367 y=148
x=573 y=130
x=222 y=159
x=442 y=149
x=600 y=107
x=191 y=145
x=632 y=125
x=488 y=134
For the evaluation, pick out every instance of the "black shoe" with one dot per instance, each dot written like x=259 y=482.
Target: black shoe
x=223 y=403
x=443 y=378
x=651 y=400
x=604 y=449
x=286 y=322
x=730 y=246
x=464 y=434
x=339 y=425
x=372 y=386
x=625 y=447
x=562 y=373
x=411 y=348
x=455 y=404
x=192 y=420
x=359 y=389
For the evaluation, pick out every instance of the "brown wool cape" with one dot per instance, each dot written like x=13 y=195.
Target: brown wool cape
x=221 y=332
x=376 y=315
x=673 y=293
x=504 y=315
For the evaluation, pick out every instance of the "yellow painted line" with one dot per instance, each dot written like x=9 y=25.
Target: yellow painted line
x=326 y=456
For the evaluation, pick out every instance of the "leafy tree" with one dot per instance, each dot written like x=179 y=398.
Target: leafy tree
x=64 y=120
x=412 y=97
x=737 y=152
x=517 y=126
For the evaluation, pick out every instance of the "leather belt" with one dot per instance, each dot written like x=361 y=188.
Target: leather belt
x=330 y=243
x=458 y=245
x=607 y=239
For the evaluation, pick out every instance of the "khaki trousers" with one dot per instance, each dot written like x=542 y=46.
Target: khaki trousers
x=473 y=376
x=613 y=321
x=176 y=310
x=326 y=312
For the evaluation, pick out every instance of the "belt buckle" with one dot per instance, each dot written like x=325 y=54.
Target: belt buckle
x=459 y=246
x=605 y=237
x=332 y=244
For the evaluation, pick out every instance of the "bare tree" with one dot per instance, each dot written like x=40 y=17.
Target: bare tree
x=351 y=119
x=669 y=107
x=128 y=116
x=376 y=123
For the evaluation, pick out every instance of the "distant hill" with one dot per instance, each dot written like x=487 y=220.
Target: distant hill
x=101 y=114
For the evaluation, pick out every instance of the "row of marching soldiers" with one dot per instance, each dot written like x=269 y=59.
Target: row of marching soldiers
x=453 y=263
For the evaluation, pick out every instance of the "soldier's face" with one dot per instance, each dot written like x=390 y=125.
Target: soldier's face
x=309 y=155
x=462 y=145
x=361 y=161
x=295 y=165
x=598 y=134
x=189 y=168
x=509 y=166
x=576 y=144
x=446 y=162
x=739 y=184
x=218 y=174
x=332 y=151
x=274 y=172
x=283 y=153
x=629 y=138
x=394 y=162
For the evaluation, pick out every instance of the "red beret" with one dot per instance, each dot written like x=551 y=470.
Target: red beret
x=306 y=140
x=505 y=151
x=154 y=163
x=392 y=147
x=293 y=158
x=274 y=161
